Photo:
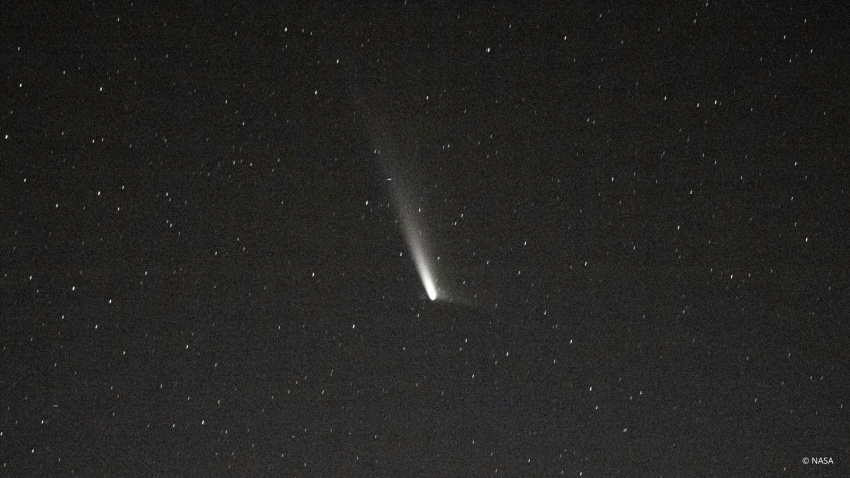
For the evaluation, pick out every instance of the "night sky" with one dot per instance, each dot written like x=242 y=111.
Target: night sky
x=220 y=225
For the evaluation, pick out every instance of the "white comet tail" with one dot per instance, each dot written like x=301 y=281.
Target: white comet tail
x=417 y=248
x=422 y=266
x=412 y=229
x=427 y=280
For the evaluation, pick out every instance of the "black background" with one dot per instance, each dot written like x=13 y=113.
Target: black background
x=640 y=214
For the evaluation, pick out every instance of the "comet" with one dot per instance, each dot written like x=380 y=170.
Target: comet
x=390 y=154
x=424 y=270
x=415 y=241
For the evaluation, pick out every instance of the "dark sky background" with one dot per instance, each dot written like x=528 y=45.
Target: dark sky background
x=637 y=216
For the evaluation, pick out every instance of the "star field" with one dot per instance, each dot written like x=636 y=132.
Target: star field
x=634 y=217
